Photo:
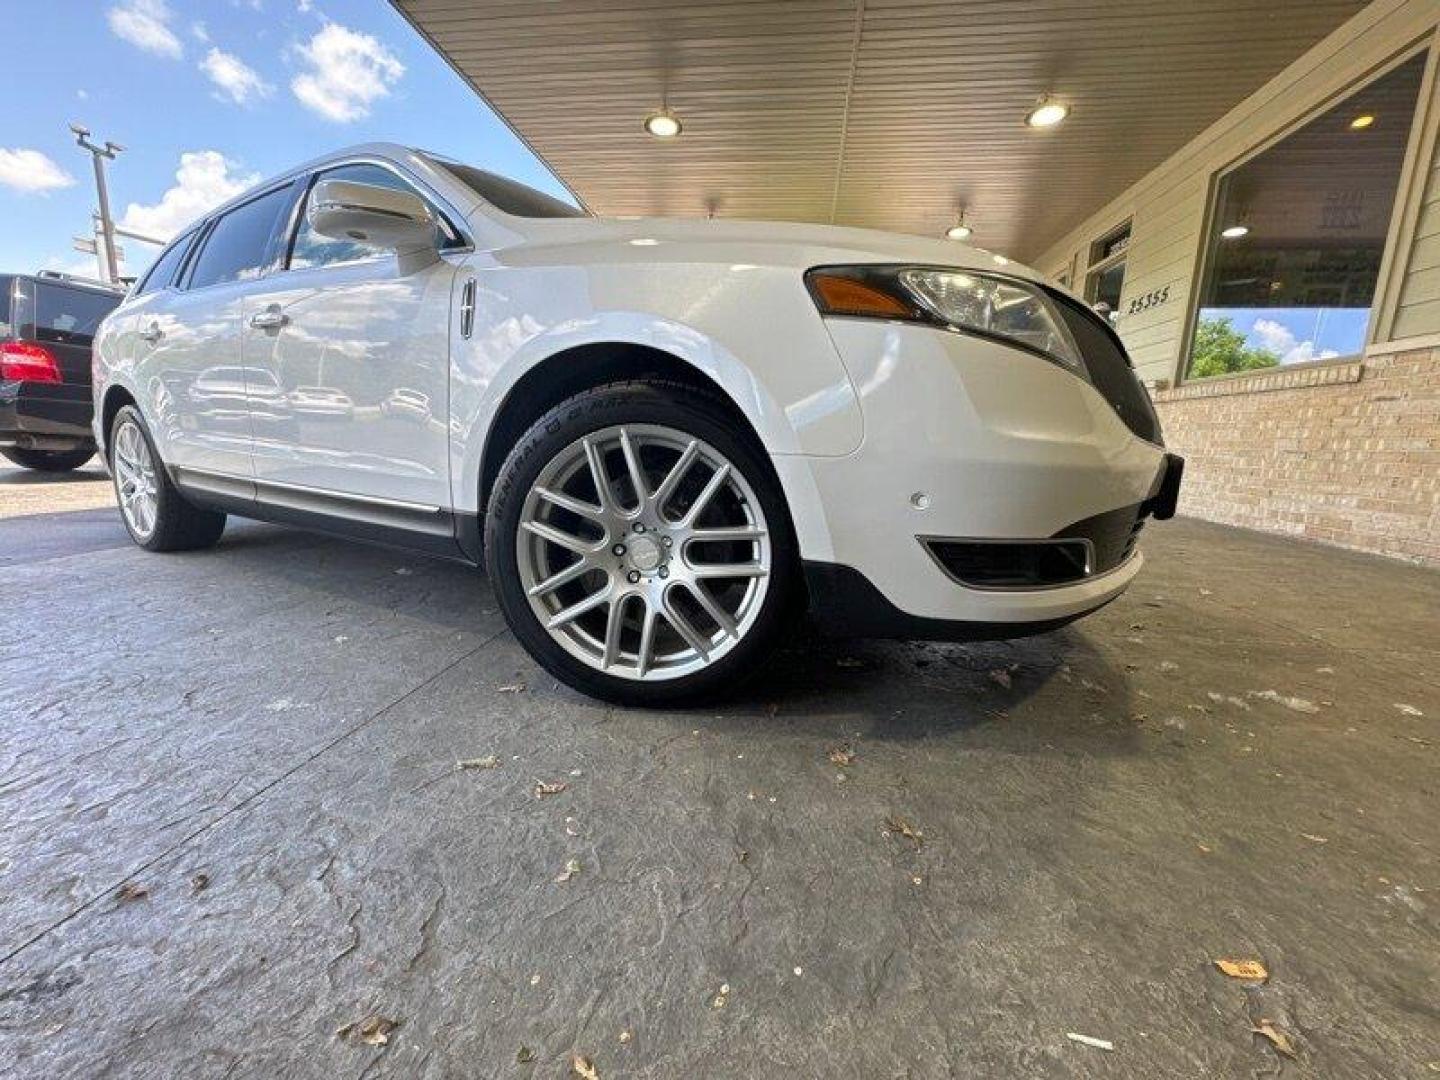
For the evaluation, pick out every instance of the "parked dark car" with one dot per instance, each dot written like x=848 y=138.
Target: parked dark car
x=47 y=325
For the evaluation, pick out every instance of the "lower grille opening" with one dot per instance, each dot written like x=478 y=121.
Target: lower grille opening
x=1093 y=546
x=1024 y=565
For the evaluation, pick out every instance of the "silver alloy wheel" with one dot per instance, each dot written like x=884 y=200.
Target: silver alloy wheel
x=644 y=552
x=133 y=470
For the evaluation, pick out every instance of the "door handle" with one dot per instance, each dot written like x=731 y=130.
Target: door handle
x=152 y=333
x=272 y=318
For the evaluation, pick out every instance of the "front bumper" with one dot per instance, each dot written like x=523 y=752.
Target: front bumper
x=44 y=416
x=968 y=441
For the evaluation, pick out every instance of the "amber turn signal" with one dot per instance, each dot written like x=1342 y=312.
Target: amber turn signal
x=846 y=296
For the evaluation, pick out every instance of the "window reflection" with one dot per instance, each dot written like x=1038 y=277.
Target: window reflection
x=1298 y=235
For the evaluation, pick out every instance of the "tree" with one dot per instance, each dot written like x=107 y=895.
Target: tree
x=1220 y=349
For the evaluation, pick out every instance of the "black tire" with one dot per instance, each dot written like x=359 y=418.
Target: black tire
x=179 y=525
x=701 y=415
x=56 y=461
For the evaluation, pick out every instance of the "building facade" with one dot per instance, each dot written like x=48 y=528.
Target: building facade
x=1277 y=282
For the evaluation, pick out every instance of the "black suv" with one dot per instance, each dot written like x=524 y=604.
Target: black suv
x=47 y=324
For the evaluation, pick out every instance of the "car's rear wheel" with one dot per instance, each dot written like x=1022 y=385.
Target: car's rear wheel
x=50 y=460
x=156 y=515
x=640 y=545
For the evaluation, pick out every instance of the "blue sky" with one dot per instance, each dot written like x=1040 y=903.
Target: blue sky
x=208 y=96
x=1299 y=334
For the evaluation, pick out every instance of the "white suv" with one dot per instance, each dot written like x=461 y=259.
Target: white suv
x=663 y=437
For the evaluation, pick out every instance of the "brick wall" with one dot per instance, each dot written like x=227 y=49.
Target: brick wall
x=1347 y=454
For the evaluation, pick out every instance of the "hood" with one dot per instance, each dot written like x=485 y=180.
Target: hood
x=769 y=243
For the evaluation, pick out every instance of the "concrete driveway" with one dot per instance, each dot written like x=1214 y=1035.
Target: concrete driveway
x=235 y=840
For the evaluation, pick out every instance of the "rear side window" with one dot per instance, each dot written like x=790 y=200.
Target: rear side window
x=163 y=272
x=238 y=245
x=69 y=316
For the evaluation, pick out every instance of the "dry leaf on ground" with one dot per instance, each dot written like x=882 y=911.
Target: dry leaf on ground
x=542 y=788
x=1408 y=710
x=1251 y=970
x=524 y=1055
x=1090 y=1040
x=722 y=997
x=131 y=891
x=584 y=1067
x=374 y=1030
x=1001 y=677
x=489 y=761
x=571 y=869
x=200 y=882
x=897 y=824
x=1278 y=1038
x=512 y=688
x=841 y=755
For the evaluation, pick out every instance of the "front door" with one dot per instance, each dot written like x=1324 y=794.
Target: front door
x=357 y=349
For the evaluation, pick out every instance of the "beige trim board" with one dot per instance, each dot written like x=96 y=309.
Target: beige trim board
x=1410 y=344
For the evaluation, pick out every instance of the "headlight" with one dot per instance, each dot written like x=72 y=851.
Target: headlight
x=988 y=305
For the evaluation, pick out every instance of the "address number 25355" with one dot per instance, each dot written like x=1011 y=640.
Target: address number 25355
x=1154 y=298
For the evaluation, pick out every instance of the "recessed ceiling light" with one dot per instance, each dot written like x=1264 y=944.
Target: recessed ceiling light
x=959 y=231
x=1046 y=113
x=1361 y=122
x=663 y=124
x=1234 y=232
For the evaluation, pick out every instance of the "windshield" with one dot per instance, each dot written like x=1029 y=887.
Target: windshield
x=509 y=196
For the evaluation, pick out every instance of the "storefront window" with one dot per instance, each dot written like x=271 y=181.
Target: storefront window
x=1298 y=234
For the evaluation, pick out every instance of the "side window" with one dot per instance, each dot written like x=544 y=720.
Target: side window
x=163 y=272
x=237 y=246
x=312 y=249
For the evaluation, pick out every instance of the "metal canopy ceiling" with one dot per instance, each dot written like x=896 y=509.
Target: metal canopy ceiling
x=881 y=113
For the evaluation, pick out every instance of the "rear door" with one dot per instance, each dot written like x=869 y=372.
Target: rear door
x=188 y=335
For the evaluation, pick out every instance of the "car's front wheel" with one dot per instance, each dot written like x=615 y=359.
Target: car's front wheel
x=156 y=515
x=640 y=546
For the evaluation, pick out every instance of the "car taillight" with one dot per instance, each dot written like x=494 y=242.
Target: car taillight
x=25 y=361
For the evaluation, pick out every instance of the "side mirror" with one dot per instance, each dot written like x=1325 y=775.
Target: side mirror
x=385 y=217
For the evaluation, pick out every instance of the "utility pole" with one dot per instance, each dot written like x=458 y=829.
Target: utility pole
x=99 y=155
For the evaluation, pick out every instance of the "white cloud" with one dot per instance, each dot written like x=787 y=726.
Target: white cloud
x=304 y=6
x=204 y=179
x=199 y=32
x=234 y=79
x=31 y=171
x=1278 y=338
x=346 y=73
x=145 y=24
